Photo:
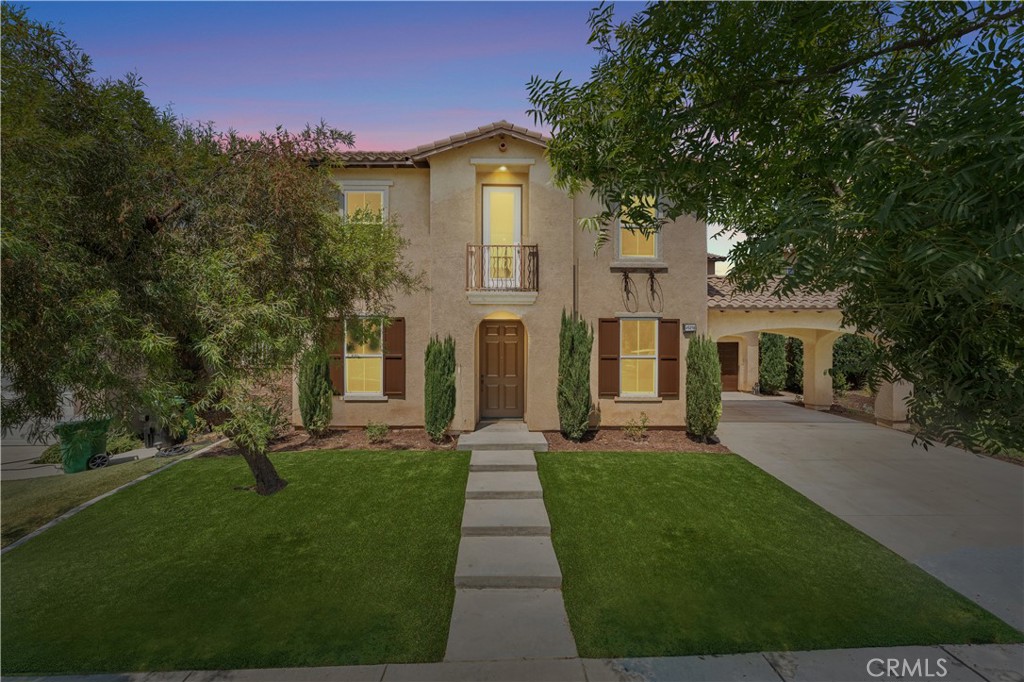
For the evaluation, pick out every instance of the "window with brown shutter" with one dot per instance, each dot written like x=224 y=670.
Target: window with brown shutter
x=336 y=356
x=608 y=358
x=394 y=358
x=668 y=359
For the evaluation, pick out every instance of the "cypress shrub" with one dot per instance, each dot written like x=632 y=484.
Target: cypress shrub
x=703 y=388
x=439 y=387
x=794 y=365
x=853 y=361
x=575 y=342
x=315 y=391
x=772 y=363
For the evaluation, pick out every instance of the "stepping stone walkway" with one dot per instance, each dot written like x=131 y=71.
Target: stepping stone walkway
x=508 y=596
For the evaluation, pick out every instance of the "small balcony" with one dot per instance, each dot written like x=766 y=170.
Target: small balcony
x=502 y=268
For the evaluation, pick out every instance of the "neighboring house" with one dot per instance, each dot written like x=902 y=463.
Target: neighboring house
x=503 y=256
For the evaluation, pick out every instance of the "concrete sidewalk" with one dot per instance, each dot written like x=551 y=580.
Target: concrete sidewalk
x=957 y=515
x=979 y=663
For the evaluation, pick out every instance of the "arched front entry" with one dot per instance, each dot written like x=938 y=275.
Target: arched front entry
x=502 y=367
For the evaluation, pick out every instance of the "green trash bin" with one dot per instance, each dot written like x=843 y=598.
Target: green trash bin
x=83 y=444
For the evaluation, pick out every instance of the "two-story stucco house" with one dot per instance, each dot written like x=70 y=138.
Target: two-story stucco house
x=503 y=255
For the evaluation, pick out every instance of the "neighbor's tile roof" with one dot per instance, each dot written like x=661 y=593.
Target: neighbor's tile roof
x=722 y=294
x=715 y=257
x=410 y=157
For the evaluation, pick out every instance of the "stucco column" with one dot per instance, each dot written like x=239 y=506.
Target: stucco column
x=750 y=371
x=891 y=402
x=817 y=361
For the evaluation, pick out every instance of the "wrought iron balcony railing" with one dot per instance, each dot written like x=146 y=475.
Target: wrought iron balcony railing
x=491 y=267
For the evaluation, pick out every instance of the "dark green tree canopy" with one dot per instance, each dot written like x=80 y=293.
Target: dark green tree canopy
x=870 y=148
x=151 y=263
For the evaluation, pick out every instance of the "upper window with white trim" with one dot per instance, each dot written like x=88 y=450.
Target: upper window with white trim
x=364 y=195
x=633 y=243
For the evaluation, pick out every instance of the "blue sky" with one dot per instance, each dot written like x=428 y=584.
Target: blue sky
x=397 y=74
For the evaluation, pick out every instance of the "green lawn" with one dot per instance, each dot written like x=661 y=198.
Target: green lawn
x=666 y=554
x=352 y=563
x=30 y=503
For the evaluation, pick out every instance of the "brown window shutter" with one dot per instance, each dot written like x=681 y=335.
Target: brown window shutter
x=608 y=357
x=394 y=358
x=336 y=356
x=668 y=359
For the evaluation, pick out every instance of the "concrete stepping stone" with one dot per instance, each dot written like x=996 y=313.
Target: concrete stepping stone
x=509 y=624
x=503 y=485
x=507 y=562
x=505 y=517
x=503 y=460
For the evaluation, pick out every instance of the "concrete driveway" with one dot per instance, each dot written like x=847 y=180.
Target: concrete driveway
x=957 y=515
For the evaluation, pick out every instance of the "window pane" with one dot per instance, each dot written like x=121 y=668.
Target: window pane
x=638 y=337
x=635 y=244
x=371 y=201
x=364 y=375
x=502 y=218
x=362 y=338
x=637 y=376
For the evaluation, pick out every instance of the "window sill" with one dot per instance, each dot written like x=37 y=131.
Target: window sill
x=639 y=265
x=365 y=398
x=502 y=297
x=638 y=399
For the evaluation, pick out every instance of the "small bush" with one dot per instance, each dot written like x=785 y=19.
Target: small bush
x=575 y=342
x=315 y=391
x=636 y=429
x=772 y=363
x=439 y=387
x=853 y=357
x=703 y=388
x=794 y=365
x=376 y=432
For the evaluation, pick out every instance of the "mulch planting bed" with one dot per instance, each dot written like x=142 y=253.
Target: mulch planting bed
x=616 y=440
x=297 y=440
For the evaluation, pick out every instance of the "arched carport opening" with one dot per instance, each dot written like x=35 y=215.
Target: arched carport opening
x=739 y=318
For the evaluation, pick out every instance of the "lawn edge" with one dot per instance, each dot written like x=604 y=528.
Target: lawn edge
x=85 y=505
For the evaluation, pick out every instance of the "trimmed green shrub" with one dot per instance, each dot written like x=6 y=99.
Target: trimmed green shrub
x=575 y=342
x=794 y=365
x=772 y=363
x=439 y=387
x=853 y=357
x=703 y=388
x=315 y=391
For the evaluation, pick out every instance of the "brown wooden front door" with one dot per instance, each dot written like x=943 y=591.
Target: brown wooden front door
x=729 y=358
x=501 y=369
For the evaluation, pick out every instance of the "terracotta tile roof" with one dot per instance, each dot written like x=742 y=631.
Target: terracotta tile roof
x=414 y=157
x=722 y=294
x=715 y=257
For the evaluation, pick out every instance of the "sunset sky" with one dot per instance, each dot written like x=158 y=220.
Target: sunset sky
x=397 y=74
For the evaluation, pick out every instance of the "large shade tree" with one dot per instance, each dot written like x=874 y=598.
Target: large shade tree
x=871 y=148
x=150 y=264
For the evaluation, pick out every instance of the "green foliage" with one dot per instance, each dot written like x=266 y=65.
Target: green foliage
x=703 y=387
x=575 y=342
x=315 y=394
x=376 y=432
x=794 y=365
x=772 y=363
x=854 y=357
x=636 y=429
x=150 y=262
x=875 y=149
x=439 y=387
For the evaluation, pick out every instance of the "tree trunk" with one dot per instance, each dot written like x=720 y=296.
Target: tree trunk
x=268 y=481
